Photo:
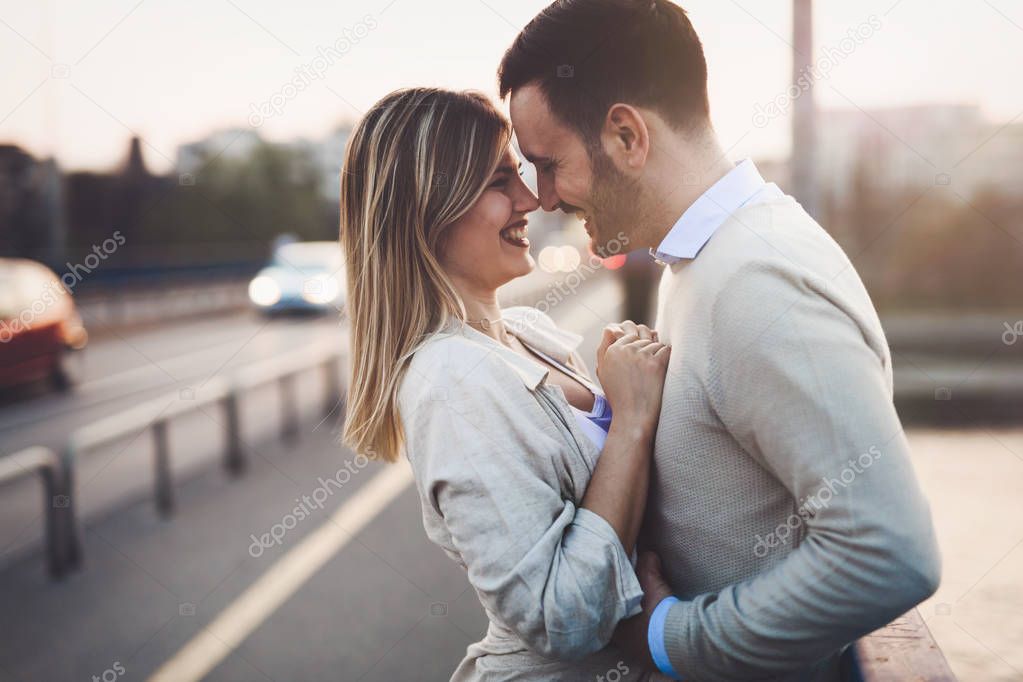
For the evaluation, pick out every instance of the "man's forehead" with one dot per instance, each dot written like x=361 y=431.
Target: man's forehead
x=530 y=95
x=535 y=126
x=532 y=151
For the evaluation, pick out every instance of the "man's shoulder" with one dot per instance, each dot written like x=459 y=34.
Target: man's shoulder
x=774 y=238
x=761 y=262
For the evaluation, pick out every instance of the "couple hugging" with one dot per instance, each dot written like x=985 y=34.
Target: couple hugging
x=734 y=499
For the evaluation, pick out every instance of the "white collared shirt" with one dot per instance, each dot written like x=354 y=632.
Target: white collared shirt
x=741 y=186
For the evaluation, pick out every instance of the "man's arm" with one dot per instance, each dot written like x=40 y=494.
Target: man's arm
x=795 y=382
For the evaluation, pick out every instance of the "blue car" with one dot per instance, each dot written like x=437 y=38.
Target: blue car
x=301 y=276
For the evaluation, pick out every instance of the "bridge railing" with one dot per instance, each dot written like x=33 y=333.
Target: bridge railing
x=57 y=514
x=63 y=536
x=63 y=540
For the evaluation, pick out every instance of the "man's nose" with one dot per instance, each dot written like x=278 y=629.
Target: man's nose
x=549 y=199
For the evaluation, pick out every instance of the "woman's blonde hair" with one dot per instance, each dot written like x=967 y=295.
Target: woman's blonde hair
x=417 y=161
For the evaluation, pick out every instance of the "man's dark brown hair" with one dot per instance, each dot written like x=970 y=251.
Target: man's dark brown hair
x=586 y=55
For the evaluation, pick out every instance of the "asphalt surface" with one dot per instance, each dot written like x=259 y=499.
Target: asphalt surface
x=386 y=605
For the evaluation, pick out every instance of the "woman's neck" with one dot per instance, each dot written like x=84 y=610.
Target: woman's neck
x=482 y=304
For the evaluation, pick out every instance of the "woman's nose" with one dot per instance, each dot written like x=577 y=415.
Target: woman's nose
x=527 y=201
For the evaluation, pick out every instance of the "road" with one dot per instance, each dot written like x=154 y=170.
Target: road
x=354 y=590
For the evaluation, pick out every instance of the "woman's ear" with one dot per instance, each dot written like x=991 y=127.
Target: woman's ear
x=626 y=138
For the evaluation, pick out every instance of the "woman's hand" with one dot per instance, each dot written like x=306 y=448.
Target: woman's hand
x=631 y=364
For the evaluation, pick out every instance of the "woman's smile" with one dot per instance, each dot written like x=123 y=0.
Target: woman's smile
x=516 y=234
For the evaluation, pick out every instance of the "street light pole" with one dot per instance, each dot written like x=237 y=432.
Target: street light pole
x=804 y=116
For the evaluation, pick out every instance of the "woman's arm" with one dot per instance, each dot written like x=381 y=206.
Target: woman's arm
x=618 y=489
x=631 y=367
x=490 y=466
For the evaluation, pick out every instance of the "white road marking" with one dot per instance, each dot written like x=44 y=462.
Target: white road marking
x=254 y=606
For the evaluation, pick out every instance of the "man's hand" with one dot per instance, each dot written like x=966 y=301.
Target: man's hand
x=631 y=633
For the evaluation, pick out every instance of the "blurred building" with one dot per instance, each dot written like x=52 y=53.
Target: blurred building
x=917 y=147
x=238 y=144
x=329 y=156
x=99 y=204
x=31 y=206
x=229 y=144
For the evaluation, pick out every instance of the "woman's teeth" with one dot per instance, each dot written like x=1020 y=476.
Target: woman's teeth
x=515 y=235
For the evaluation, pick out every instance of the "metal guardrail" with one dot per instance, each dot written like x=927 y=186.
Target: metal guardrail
x=63 y=540
x=56 y=498
x=127 y=306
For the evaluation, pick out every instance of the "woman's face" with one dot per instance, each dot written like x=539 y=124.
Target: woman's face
x=488 y=247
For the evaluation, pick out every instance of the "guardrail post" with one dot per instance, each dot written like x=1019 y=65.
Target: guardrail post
x=234 y=459
x=164 y=487
x=60 y=553
x=289 y=408
x=51 y=501
x=120 y=308
x=69 y=544
x=332 y=387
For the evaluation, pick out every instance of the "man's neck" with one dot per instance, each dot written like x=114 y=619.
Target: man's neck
x=681 y=176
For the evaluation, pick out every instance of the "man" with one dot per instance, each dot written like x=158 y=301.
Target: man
x=783 y=505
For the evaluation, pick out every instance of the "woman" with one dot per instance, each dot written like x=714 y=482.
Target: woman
x=513 y=447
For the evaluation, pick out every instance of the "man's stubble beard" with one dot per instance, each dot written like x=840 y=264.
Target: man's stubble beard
x=618 y=202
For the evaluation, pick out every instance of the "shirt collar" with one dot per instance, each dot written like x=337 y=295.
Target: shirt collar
x=537 y=330
x=532 y=373
x=699 y=222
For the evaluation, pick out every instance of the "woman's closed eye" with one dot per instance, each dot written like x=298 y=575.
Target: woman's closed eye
x=501 y=180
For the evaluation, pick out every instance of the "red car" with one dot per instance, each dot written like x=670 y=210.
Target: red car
x=40 y=329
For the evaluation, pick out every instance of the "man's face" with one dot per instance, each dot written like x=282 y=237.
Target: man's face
x=567 y=177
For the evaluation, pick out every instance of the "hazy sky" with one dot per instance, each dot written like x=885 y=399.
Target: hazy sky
x=78 y=77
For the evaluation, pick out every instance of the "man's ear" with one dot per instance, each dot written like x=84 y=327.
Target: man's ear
x=626 y=138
